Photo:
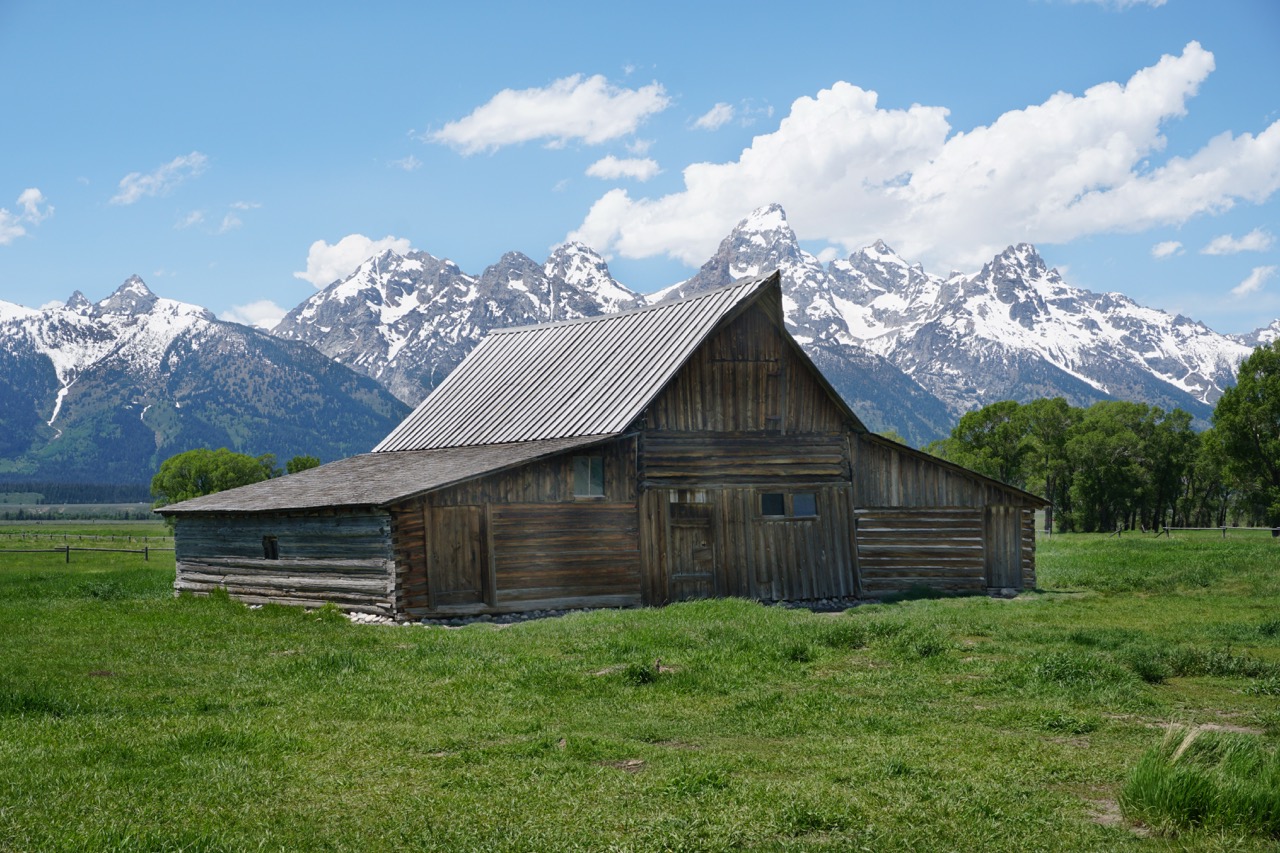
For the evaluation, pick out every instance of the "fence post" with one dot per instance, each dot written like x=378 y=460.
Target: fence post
x=146 y=553
x=67 y=550
x=1224 y=531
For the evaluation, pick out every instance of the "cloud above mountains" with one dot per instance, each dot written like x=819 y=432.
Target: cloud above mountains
x=326 y=263
x=849 y=171
x=136 y=186
x=590 y=109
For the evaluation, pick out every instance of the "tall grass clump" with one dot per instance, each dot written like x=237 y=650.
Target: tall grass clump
x=1206 y=779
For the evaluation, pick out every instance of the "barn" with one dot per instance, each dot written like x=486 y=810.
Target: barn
x=685 y=450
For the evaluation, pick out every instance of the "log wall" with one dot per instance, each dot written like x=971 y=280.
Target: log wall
x=719 y=459
x=903 y=547
x=1028 y=548
x=345 y=558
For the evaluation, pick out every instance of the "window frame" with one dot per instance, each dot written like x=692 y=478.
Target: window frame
x=594 y=465
x=788 y=505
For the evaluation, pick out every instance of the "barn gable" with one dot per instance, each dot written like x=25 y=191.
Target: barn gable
x=685 y=450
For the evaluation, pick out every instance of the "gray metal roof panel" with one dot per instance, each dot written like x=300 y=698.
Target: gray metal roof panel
x=590 y=376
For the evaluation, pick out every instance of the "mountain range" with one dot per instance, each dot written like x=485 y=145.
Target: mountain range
x=104 y=391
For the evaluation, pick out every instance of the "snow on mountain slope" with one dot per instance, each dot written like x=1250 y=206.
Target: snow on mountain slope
x=103 y=391
x=1014 y=329
x=407 y=320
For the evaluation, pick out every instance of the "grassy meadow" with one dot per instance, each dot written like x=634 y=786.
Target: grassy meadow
x=131 y=720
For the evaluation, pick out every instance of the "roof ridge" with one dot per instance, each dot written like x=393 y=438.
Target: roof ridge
x=657 y=306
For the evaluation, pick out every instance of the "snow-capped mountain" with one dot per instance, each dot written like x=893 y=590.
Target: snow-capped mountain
x=103 y=391
x=1014 y=330
x=1266 y=335
x=407 y=320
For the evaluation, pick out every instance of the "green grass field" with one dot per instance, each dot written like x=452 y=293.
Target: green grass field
x=131 y=720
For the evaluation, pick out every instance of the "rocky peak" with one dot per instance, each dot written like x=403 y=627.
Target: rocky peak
x=79 y=303
x=132 y=297
x=581 y=267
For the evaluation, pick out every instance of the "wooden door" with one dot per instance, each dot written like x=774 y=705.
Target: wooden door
x=457 y=559
x=692 y=552
x=1002 y=547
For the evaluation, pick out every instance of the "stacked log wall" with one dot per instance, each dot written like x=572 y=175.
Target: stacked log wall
x=937 y=547
x=334 y=556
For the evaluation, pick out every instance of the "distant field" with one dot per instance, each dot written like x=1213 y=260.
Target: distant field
x=131 y=720
x=63 y=513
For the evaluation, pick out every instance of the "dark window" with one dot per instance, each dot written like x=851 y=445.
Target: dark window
x=270 y=548
x=773 y=503
x=804 y=504
x=588 y=476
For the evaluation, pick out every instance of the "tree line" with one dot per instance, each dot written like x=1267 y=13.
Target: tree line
x=1120 y=464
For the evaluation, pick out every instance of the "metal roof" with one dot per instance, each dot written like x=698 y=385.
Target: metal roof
x=376 y=479
x=573 y=378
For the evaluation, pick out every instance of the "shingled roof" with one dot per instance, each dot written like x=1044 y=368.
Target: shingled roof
x=376 y=479
x=573 y=378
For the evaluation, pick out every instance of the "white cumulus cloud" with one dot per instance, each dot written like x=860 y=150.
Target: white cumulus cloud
x=612 y=168
x=848 y=172
x=327 y=263
x=715 y=118
x=1257 y=240
x=193 y=218
x=34 y=209
x=591 y=109
x=137 y=185
x=408 y=164
x=1166 y=249
x=264 y=314
x=1254 y=282
x=1121 y=5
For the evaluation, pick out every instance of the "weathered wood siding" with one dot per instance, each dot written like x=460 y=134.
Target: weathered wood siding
x=739 y=552
x=889 y=478
x=936 y=547
x=548 y=480
x=746 y=378
x=566 y=555
x=1028 y=548
x=888 y=475
x=343 y=557
x=520 y=540
x=718 y=459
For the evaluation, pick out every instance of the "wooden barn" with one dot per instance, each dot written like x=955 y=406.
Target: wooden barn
x=685 y=450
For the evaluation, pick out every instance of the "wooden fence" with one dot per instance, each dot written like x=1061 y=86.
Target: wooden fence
x=145 y=551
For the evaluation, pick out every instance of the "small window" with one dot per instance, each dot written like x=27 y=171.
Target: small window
x=788 y=505
x=588 y=476
x=773 y=503
x=270 y=548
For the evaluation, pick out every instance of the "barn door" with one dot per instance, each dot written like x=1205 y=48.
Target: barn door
x=457 y=560
x=1002 y=547
x=692 y=552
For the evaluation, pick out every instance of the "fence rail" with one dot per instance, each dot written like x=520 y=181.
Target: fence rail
x=80 y=537
x=1167 y=531
x=145 y=551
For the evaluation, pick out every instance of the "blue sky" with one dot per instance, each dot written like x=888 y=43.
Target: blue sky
x=239 y=155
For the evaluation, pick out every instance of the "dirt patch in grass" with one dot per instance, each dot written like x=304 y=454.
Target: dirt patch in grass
x=628 y=765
